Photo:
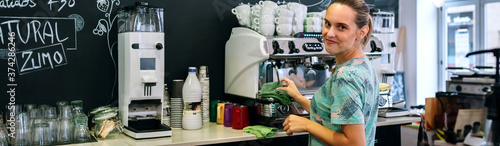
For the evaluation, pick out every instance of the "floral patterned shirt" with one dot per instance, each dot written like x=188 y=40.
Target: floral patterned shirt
x=348 y=97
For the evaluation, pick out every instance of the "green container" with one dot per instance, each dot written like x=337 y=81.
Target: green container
x=213 y=110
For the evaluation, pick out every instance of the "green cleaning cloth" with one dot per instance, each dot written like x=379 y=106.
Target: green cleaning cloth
x=261 y=131
x=269 y=90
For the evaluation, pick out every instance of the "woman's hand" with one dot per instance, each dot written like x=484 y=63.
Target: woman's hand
x=290 y=88
x=296 y=124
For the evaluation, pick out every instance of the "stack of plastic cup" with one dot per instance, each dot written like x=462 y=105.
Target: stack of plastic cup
x=205 y=93
x=176 y=104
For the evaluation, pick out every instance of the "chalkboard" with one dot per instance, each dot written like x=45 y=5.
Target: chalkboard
x=66 y=50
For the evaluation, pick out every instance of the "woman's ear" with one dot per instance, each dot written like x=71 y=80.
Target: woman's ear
x=363 y=32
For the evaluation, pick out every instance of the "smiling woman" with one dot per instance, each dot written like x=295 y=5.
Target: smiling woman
x=344 y=110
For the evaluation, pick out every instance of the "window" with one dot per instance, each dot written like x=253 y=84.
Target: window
x=492 y=30
x=466 y=26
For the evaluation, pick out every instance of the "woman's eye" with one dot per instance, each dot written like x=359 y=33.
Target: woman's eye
x=342 y=27
x=327 y=24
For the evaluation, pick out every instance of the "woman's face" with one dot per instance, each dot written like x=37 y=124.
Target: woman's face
x=340 y=31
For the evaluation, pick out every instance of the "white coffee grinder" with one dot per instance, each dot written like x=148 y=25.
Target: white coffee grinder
x=141 y=70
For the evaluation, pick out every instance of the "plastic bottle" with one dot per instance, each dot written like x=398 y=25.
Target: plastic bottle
x=191 y=94
x=191 y=90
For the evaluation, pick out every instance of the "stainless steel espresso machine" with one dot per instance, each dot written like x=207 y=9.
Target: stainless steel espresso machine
x=252 y=59
x=141 y=70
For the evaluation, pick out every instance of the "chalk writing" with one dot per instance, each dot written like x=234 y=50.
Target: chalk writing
x=104 y=26
x=57 y=4
x=63 y=3
x=40 y=31
x=103 y=5
x=17 y=3
x=46 y=57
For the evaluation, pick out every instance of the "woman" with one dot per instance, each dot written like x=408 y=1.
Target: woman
x=344 y=110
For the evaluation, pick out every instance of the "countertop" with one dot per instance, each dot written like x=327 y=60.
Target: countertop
x=211 y=133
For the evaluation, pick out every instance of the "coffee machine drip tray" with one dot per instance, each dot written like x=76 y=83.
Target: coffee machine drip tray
x=149 y=128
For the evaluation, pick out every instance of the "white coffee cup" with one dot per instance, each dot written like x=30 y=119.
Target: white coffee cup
x=298 y=20
x=312 y=21
x=241 y=9
x=264 y=11
x=283 y=20
x=299 y=13
x=297 y=6
x=284 y=29
x=314 y=14
x=283 y=7
x=312 y=28
x=297 y=28
x=304 y=8
x=266 y=19
x=243 y=15
x=255 y=8
x=293 y=5
x=256 y=28
x=268 y=4
x=284 y=13
x=323 y=13
x=266 y=29
x=244 y=22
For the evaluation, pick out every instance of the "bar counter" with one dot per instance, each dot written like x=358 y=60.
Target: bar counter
x=211 y=133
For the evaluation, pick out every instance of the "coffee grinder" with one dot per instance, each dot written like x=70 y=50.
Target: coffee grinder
x=141 y=70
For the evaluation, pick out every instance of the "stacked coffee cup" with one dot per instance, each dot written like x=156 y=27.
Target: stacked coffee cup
x=284 y=20
x=254 y=10
x=242 y=12
x=313 y=22
x=264 y=17
x=300 y=12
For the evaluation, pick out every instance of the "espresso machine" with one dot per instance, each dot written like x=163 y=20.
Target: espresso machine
x=252 y=59
x=141 y=70
x=492 y=136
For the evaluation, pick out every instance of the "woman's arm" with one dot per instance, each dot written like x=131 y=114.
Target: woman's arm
x=354 y=134
x=292 y=91
x=304 y=103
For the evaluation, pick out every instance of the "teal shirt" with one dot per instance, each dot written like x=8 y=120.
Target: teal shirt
x=349 y=96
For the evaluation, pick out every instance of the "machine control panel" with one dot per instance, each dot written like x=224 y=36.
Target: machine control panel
x=316 y=35
x=312 y=47
x=479 y=89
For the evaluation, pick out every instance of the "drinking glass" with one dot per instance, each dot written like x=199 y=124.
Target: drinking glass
x=66 y=112
x=41 y=134
x=28 y=107
x=23 y=132
x=65 y=133
x=4 y=136
x=50 y=112
x=17 y=109
x=81 y=133
x=77 y=103
x=60 y=105
x=53 y=128
x=81 y=119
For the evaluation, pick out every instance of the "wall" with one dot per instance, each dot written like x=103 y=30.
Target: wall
x=420 y=50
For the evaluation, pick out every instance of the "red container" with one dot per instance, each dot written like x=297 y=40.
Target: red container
x=240 y=117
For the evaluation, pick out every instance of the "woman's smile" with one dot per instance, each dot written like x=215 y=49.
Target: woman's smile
x=330 y=42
